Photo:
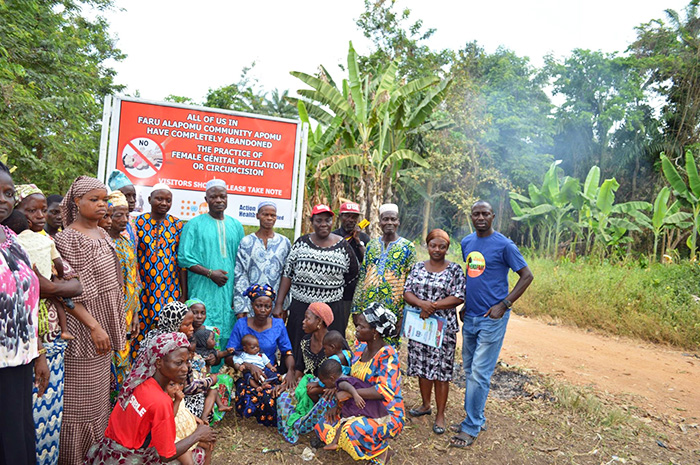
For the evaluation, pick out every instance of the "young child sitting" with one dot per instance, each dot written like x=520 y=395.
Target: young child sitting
x=336 y=348
x=251 y=354
x=185 y=424
x=330 y=373
x=200 y=365
x=206 y=346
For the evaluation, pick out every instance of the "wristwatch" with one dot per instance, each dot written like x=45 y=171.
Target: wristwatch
x=507 y=303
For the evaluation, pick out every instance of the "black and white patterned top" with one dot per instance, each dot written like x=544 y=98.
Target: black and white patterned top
x=432 y=287
x=320 y=274
x=307 y=361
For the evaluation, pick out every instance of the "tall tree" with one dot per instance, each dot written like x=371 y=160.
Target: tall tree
x=669 y=54
x=54 y=74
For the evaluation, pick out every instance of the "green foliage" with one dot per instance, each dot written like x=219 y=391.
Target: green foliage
x=688 y=193
x=659 y=303
x=53 y=78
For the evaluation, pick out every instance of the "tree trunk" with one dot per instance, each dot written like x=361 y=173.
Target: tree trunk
x=426 y=208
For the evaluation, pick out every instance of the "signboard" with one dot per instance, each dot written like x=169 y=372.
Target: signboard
x=186 y=146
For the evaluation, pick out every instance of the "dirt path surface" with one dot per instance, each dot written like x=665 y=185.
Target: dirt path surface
x=661 y=381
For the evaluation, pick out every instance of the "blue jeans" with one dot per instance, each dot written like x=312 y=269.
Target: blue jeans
x=482 y=339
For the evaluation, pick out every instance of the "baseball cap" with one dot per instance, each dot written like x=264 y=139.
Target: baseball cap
x=321 y=208
x=350 y=207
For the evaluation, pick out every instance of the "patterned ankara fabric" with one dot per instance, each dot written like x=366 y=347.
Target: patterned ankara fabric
x=361 y=437
x=212 y=244
x=171 y=316
x=19 y=310
x=87 y=374
x=425 y=361
x=48 y=409
x=121 y=362
x=303 y=425
x=81 y=186
x=256 y=264
x=157 y=247
x=382 y=277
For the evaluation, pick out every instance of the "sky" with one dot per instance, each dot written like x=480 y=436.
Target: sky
x=186 y=48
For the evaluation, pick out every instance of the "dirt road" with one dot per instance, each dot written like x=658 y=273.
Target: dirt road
x=661 y=381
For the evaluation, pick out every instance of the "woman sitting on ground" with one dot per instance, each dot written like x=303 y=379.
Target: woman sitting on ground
x=313 y=399
x=272 y=336
x=142 y=425
x=377 y=363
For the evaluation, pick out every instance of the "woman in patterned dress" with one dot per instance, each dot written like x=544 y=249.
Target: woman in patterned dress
x=142 y=425
x=377 y=363
x=132 y=286
x=318 y=268
x=388 y=260
x=22 y=358
x=98 y=321
x=158 y=240
x=436 y=287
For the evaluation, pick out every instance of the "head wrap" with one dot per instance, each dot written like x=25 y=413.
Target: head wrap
x=381 y=319
x=201 y=336
x=117 y=180
x=323 y=311
x=388 y=207
x=81 y=186
x=161 y=186
x=171 y=316
x=437 y=233
x=259 y=290
x=192 y=302
x=23 y=191
x=145 y=364
x=266 y=203
x=216 y=183
x=117 y=199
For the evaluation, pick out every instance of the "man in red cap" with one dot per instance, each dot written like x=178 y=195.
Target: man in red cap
x=349 y=217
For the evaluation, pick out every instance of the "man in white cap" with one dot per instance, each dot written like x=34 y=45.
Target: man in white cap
x=349 y=216
x=208 y=250
x=157 y=247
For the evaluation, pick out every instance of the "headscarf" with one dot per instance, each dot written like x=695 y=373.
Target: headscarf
x=22 y=191
x=117 y=180
x=266 y=203
x=117 y=199
x=201 y=336
x=171 y=316
x=381 y=319
x=145 y=365
x=323 y=311
x=192 y=302
x=388 y=207
x=81 y=186
x=259 y=290
x=437 y=233
x=215 y=183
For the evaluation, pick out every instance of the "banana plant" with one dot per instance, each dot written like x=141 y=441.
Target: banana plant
x=663 y=217
x=688 y=194
x=376 y=114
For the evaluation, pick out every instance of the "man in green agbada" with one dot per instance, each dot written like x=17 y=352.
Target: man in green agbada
x=208 y=248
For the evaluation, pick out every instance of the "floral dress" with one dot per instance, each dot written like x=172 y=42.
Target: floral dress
x=423 y=360
x=366 y=438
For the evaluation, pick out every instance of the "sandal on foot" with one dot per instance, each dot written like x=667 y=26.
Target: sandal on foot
x=438 y=429
x=456 y=428
x=414 y=412
x=462 y=443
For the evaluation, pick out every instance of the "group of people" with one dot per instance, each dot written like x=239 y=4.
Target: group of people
x=124 y=338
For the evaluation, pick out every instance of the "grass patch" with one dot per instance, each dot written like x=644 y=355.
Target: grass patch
x=660 y=303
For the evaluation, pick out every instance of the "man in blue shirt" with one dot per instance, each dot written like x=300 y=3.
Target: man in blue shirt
x=488 y=255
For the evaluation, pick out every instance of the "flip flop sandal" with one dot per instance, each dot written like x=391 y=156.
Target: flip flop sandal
x=462 y=443
x=438 y=429
x=414 y=412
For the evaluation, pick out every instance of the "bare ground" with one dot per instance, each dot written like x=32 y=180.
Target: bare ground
x=559 y=396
